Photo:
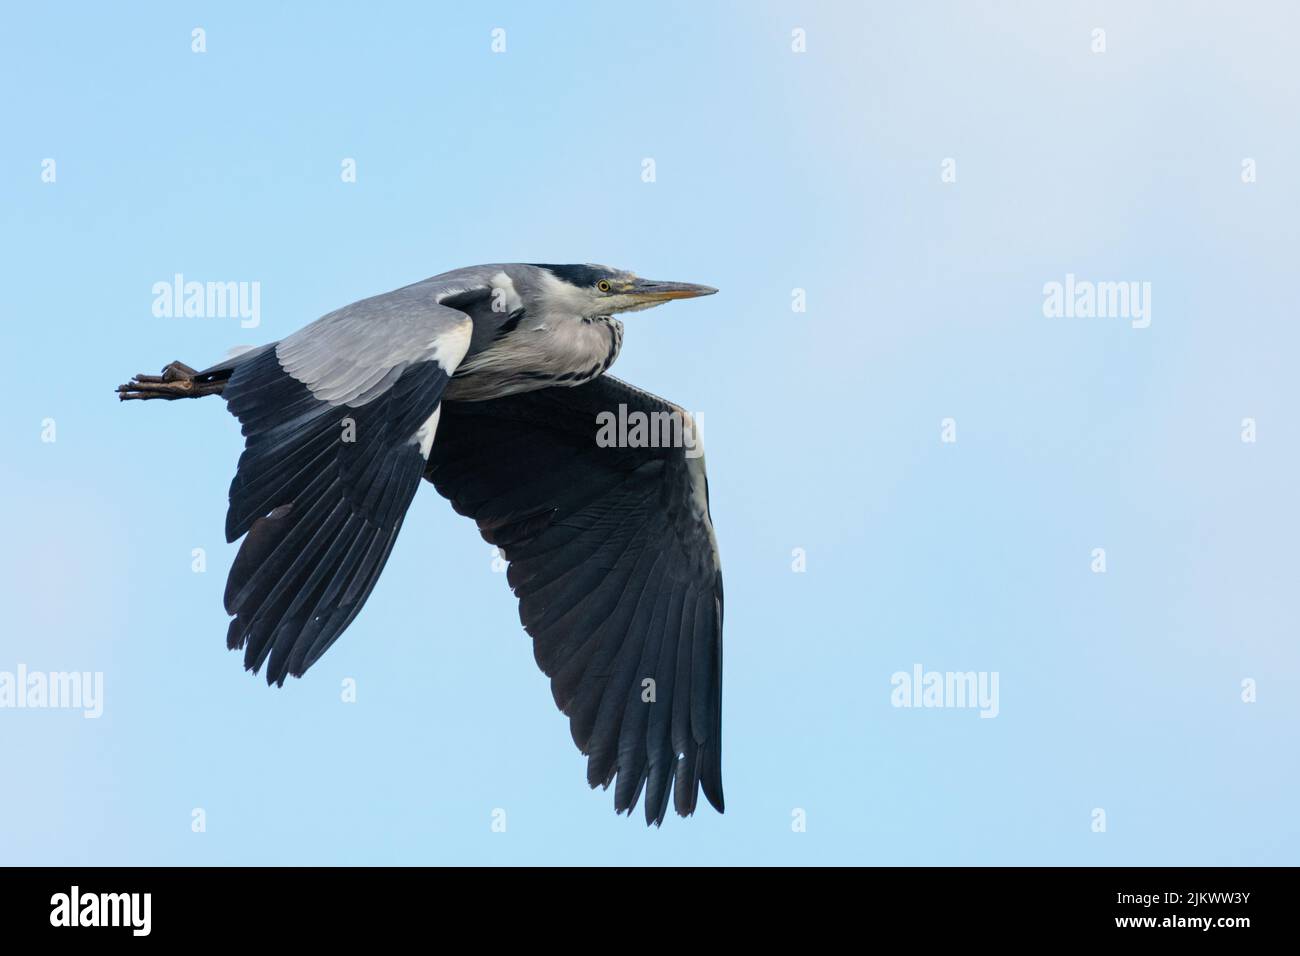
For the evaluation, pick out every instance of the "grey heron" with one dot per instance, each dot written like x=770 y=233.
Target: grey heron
x=488 y=382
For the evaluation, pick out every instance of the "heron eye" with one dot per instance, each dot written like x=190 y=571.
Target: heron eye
x=603 y=285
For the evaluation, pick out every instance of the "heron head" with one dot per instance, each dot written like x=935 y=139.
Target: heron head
x=591 y=290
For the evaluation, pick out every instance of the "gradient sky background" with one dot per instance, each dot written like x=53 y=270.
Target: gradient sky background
x=775 y=170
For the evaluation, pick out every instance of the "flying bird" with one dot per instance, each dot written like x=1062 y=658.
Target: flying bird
x=488 y=382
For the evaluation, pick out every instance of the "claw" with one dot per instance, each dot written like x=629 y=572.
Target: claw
x=176 y=381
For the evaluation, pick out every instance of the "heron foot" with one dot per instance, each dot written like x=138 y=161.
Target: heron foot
x=176 y=381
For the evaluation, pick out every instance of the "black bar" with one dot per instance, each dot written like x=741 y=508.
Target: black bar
x=208 y=905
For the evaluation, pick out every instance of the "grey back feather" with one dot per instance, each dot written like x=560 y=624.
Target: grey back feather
x=354 y=354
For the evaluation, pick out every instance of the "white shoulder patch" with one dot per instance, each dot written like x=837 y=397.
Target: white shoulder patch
x=450 y=345
x=505 y=298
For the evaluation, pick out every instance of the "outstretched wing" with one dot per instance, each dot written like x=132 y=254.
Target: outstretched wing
x=614 y=562
x=338 y=420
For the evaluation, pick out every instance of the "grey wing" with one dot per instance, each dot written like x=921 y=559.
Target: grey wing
x=614 y=561
x=338 y=420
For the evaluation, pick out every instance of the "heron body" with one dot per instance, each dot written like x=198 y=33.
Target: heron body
x=488 y=382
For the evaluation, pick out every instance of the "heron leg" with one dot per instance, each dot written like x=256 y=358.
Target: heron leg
x=176 y=381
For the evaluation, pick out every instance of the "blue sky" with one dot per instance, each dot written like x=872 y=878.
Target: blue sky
x=774 y=171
